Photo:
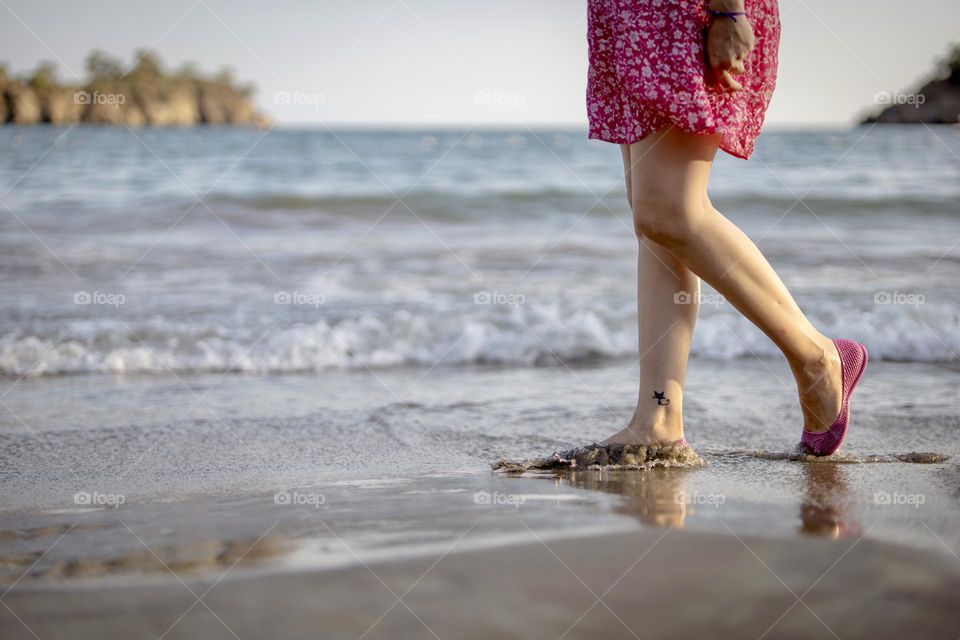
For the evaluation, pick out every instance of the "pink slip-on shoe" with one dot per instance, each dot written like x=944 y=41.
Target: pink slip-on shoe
x=853 y=362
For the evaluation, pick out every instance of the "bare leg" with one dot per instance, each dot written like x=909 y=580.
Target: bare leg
x=669 y=175
x=667 y=305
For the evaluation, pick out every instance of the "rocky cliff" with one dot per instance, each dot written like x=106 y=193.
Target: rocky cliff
x=139 y=94
x=937 y=101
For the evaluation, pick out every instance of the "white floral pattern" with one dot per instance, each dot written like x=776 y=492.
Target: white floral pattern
x=647 y=66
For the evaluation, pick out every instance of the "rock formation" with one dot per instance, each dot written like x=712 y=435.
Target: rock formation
x=937 y=101
x=141 y=94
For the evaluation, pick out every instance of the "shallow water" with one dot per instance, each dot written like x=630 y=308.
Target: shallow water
x=198 y=325
x=913 y=457
x=512 y=248
x=608 y=456
x=378 y=466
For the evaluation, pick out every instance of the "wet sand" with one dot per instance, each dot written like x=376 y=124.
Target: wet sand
x=666 y=583
x=371 y=482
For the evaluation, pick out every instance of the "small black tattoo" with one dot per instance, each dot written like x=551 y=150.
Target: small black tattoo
x=660 y=397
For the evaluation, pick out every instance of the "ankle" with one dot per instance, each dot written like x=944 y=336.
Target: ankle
x=818 y=358
x=638 y=433
x=657 y=429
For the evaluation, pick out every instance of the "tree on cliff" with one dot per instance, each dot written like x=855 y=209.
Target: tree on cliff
x=937 y=101
x=134 y=95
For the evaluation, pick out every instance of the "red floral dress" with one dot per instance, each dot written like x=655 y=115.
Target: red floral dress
x=647 y=66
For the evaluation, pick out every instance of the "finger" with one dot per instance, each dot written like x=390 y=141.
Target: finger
x=717 y=63
x=715 y=77
x=712 y=75
x=727 y=81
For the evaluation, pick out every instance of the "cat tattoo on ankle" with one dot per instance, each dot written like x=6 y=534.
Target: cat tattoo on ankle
x=660 y=397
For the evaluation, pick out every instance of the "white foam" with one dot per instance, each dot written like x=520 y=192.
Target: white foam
x=528 y=335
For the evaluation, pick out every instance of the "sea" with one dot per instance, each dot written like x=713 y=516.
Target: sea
x=351 y=325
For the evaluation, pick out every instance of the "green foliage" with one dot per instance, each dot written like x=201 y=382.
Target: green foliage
x=102 y=66
x=146 y=65
x=44 y=78
x=224 y=77
x=953 y=60
x=145 y=74
x=187 y=72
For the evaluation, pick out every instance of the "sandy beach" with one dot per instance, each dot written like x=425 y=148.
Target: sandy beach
x=616 y=586
x=293 y=532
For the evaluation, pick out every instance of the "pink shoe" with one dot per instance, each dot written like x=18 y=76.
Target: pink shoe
x=853 y=362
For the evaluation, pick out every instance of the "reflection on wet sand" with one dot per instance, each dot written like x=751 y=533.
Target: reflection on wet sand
x=913 y=457
x=654 y=497
x=658 y=497
x=39 y=560
x=825 y=506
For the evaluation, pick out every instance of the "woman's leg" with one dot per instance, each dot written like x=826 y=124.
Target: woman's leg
x=669 y=174
x=667 y=302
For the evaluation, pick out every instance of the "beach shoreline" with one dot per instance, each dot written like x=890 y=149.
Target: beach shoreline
x=270 y=455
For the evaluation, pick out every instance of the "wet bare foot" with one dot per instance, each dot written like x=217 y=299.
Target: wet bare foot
x=820 y=388
x=645 y=435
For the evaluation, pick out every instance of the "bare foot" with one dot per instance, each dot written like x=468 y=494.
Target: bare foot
x=820 y=387
x=635 y=434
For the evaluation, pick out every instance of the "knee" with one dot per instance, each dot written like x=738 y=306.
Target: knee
x=669 y=221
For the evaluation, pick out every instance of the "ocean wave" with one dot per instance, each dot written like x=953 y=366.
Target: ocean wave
x=295 y=200
x=522 y=336
x=447 y=203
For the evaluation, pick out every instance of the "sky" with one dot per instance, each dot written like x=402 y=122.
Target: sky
x=488 y=62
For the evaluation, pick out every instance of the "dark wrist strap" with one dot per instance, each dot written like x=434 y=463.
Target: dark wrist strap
x=726 y=14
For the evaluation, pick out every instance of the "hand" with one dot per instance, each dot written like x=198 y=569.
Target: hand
x=729 y=42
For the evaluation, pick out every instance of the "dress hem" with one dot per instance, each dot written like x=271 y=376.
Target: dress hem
x=723 y=147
